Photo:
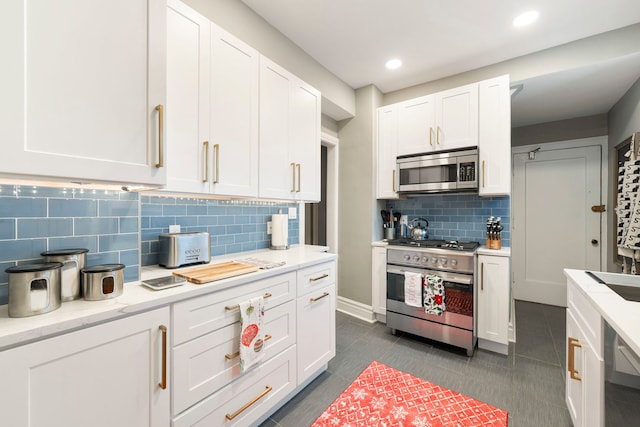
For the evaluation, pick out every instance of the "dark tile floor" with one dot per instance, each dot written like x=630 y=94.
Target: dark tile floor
x=529 y=383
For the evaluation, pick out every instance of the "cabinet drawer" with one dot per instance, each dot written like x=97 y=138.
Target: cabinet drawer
x=201 y=315
x=265 y=386
x=204 y=365
x=316 y=276
x=586 y=316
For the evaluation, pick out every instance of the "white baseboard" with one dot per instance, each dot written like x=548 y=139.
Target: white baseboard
x=356 y=309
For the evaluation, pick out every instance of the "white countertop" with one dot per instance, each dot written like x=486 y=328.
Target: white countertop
x=622 y=315
x=137 y=298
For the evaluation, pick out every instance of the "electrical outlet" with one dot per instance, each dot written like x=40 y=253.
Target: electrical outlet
x=269 y=228
x=174 y=228
x=293 y=213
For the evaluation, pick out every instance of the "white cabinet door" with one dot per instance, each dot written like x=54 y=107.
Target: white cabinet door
x=79 y=98
x=305 y=140
x=277 y=172
x=494 y=137
x=289 y=135
x=493 y=302
x=188 y=64
x=379 y=280
x=106 y=375
x=387 y=152
x=416 y=125
x=316 y=341
x=233 y=139
x=456 y=118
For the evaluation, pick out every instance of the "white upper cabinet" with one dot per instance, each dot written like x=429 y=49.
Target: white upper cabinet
x=494 y=143
x=289 y=135
x=443 y=121
x=387 y=152
x=80 y=83
x=212 y=120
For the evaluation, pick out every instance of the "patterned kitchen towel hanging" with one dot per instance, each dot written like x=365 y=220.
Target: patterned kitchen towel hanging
x=251 y=336
x=433 y=289
x=413 y=289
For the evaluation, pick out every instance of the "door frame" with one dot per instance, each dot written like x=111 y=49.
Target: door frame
x=603 y=143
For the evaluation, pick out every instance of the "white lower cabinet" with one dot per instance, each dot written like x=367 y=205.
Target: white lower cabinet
x=585 y=364
x=246 y=400
x=493 y=303
x=106 y=375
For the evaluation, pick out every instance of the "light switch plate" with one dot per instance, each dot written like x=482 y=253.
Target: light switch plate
x=174 y=228
x=293 y=213
x=269 y=228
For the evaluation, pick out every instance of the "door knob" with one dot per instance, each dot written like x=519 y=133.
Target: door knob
x=594 y=241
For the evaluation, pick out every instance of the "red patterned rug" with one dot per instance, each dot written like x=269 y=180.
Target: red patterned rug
x=385 y=397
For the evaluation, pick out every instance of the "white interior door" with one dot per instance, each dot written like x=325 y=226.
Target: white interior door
x=553 y=225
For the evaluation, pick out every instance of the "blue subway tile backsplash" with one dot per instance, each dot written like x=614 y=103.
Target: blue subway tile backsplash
x=234 y=225
x=461 y=217
x=36 y=219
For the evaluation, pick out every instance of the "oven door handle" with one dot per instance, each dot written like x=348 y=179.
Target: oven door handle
x=447 y=277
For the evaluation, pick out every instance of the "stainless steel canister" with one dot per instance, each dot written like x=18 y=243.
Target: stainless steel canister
x=34 y=288
x=102 y=281
x=73 y=260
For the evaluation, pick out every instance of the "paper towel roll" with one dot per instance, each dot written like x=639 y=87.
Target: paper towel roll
x=280 y=231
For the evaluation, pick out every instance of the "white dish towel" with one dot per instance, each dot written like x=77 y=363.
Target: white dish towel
x=413 y=289
x=251 y=335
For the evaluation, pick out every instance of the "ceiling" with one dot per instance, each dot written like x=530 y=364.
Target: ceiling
x=435 y=39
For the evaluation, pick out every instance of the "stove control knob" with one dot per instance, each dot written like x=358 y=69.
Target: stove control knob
x=434 y=260
x=407 y=257
x=416 y=258
x=425 y=259
x=443 y=261
x=454 y=262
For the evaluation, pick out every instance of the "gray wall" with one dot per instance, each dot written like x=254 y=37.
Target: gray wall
x=356 y=197
x=624 y=120
x=561 y=130
x=338 y=99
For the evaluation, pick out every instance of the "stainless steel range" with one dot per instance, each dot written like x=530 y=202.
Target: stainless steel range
x=454 y=262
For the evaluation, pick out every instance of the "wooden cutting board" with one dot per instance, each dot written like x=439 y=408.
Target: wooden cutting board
x=213 y=272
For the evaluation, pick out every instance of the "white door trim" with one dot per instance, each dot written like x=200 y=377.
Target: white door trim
x=603 y=142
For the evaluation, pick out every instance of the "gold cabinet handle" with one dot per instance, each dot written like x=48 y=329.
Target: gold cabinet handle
x=237 y=306
x=572 y=344
x=206 y=161
x=249 y=403
x=299 y=166
x=163 y=383
x=216 y=152
x=293 y=177
x=437 y=135
x=160 y=109
x=393 y=180
x=315 y=279
x=228 y=356
x=430 y=136
x=482 y=276
x=483 y=174
x=325 y=294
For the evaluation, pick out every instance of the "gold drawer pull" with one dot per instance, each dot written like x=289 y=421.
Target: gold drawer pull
x=163 y=383
x=216 y=151
x=299 y=167
x=228 y=356
x=237 y=306
x=293 y=177
x=572 y=344
x=483 y=174
x=251 y=402
x=326 y=294
x=315 y=279
x=205 y=144
x=160 y=109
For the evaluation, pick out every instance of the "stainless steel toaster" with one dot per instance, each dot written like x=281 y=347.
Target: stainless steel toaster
x=179 y=249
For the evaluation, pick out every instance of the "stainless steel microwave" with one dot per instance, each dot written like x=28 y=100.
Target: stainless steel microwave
x=444 y=171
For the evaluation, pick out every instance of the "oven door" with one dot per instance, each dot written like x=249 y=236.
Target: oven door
x=458 y=299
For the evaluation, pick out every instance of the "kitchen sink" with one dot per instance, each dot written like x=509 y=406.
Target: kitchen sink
x=625 y=285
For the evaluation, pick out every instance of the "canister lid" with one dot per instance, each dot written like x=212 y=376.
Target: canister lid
x=103 y=268
x=59 y=252
x=28 y=268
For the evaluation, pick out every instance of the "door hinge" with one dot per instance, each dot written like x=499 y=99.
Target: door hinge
x=598 y=208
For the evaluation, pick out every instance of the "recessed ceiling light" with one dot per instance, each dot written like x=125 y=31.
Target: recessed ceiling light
x=525 y=18
x=392 y=64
